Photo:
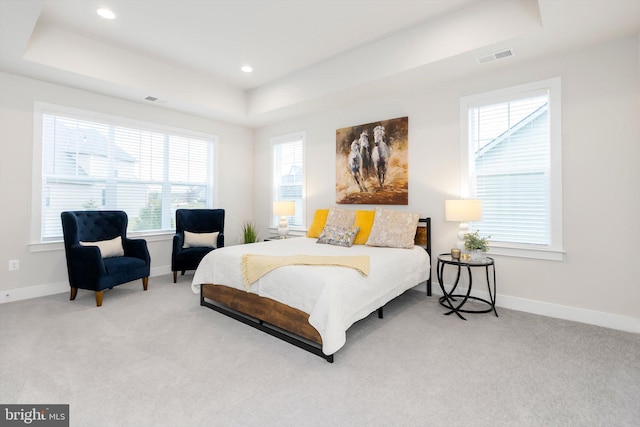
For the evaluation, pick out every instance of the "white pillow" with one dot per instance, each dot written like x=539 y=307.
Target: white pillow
x=393 y=229
x=108 y=248
x=202 y=240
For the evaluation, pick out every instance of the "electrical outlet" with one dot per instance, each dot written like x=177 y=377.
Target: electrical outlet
x=14 y=264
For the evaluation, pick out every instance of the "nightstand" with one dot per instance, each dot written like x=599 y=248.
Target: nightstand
x=277 y=237
x=450 y=299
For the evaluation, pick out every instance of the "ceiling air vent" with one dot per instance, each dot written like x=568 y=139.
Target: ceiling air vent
x=151 y=98
x=495 y=55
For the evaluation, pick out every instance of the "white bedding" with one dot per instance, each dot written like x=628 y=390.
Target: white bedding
x=334 y=297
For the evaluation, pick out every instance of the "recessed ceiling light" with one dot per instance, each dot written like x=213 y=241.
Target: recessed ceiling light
x=106 y=13
x=246 y=68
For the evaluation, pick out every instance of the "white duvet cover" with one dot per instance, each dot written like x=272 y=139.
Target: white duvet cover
x=334 y=297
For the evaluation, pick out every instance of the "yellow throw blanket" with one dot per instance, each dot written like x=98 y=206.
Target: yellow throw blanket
x=256 y=266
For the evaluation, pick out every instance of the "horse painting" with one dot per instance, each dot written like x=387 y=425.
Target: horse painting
x=372 y=163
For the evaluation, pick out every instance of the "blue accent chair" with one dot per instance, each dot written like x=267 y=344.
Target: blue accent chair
x=85 y=264
x=195 y=221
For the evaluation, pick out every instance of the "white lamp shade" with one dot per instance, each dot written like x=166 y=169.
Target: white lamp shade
x=463 y=210
x=284 y=208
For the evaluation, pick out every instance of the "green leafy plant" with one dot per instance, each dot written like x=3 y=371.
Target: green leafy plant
x=249 y=232
x=474 y=242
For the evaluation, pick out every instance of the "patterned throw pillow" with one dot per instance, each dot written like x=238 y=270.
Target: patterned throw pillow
x=393 y=229
x=338 y=236
x=340 y=217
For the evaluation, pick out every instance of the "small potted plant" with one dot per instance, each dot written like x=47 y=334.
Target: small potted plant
x=476 y=245
x=249 y=232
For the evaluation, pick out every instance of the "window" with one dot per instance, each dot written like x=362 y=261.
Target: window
x=288 y=176
x=512 y=162
x=95 y=162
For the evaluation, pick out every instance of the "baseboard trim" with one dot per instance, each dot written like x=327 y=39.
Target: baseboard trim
x=19 y=294
x=565 y=312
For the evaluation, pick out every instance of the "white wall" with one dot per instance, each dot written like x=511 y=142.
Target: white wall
x=599 y=280
x=45 y=272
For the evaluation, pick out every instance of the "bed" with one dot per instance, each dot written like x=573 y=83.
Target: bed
x=311 y=306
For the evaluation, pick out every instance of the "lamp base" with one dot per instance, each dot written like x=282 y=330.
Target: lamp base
x=463 y=229
x=283 y=227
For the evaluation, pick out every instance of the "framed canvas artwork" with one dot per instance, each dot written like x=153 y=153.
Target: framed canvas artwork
x=372 y=163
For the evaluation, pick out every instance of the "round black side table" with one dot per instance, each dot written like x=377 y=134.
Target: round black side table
x=451 y=300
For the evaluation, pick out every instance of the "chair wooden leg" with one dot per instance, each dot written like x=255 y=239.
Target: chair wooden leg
x=99 y=295
x=145 y=282
x=74 y=292
x=175 y=276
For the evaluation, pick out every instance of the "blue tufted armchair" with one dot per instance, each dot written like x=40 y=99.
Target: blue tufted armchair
x=199 y=225
x=99 y=255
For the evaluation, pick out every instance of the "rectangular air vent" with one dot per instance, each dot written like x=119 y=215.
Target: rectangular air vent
x=495 y=55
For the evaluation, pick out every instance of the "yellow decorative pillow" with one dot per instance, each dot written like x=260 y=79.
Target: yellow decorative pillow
x=319 y=219
x=364 y=220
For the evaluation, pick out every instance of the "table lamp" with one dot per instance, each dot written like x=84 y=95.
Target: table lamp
x=283 y=209
x=463 y=211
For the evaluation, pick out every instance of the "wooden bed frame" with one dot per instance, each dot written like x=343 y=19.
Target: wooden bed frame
x=280 y=320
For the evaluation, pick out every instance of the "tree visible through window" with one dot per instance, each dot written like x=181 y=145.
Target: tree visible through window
x=91 y=164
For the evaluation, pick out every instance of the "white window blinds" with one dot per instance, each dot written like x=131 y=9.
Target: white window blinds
x=96 y=164
x=288 y=176
x=510 y=166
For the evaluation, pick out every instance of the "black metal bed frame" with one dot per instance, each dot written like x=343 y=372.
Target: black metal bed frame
x=267 y=327
x=294 y=339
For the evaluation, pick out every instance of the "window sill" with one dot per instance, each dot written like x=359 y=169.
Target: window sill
x=534 y=253
x=292 y=232
x=58 y=245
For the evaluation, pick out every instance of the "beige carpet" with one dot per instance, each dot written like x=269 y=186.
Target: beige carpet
x=158 y=358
